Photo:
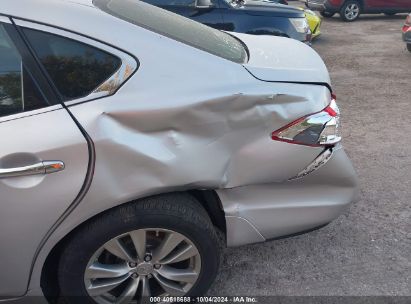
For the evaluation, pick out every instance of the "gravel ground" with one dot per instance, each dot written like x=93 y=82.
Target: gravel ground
x=367 y=250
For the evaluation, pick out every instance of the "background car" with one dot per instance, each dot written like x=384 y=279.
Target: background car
x=350 y=10
x=250 y=17
x=126 y=164
x=313 y=20
x=406 y=32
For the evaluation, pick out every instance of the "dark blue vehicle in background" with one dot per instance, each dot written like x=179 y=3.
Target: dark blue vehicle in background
x=250 y=17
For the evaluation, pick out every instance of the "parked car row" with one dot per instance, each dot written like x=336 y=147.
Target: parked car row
x=249 y=17
x=350 y=10
x=134 y=140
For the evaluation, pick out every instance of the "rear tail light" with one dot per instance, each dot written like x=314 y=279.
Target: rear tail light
x=318 y=129
x=407 y=25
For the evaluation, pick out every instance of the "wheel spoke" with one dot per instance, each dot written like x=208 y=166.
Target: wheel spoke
x=100 y=287
x=119 y=272
x=128 y=294
x=170 y=287
x=182 y=254
x=116 y=247
x=179 y=275
x=139 y=240
x=169 y=243
x=102 y=271
x=146 y=292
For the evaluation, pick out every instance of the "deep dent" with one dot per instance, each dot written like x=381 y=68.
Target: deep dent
x=218 y=143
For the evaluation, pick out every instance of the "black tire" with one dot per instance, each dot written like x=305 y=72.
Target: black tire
x=178 y=212
x=343 y=11
x=389 y=14
x=409 y=47
x=327 y=14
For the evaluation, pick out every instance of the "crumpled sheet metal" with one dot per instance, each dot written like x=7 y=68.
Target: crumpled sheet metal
x=217 y=144
x=208 y=144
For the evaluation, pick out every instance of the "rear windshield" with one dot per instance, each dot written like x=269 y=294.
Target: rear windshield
x=176 y=27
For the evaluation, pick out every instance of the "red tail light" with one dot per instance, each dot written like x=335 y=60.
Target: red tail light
x=407 y=25
x=317 y=129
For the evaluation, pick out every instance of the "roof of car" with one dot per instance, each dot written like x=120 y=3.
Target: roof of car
x=40 y=9
x=77 y=16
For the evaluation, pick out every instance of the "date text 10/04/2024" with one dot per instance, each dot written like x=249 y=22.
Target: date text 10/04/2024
x=235 y=299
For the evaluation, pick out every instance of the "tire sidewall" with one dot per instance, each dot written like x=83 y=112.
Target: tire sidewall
x=77 y=255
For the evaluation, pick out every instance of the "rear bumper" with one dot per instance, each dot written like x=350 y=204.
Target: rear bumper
x=258 y=213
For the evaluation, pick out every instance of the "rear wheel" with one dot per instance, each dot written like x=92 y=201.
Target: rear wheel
x=160 y=246
x=389 y=14
x=327 y=14
x=409 y=47
x=350 y=11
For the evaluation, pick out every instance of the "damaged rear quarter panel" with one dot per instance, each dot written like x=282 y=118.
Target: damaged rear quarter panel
x=198 y=122
x=150 y=142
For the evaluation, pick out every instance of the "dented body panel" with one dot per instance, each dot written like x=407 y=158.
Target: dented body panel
x=280 y=209
x=189 y=120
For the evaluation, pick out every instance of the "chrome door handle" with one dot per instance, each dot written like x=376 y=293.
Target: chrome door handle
x=44 y=167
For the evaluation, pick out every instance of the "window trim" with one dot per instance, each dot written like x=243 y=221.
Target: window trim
x=4 y=19
x=30 y=113
x=110 y=86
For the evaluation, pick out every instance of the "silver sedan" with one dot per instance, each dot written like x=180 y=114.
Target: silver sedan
x=134 y=142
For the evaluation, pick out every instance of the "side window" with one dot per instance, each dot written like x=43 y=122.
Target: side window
x=18 y=91
x=76 y=69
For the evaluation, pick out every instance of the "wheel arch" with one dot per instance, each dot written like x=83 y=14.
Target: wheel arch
x=362 y=3
x=48 y=278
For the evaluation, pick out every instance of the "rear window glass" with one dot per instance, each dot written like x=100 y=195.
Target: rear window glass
x=176 y=27
x=76 y=69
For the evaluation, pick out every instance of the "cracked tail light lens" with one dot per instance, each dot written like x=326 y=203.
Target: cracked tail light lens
x=317 y=129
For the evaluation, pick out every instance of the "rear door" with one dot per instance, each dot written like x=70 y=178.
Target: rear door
x=384 y=4
x=44 y=154
x=43 y=160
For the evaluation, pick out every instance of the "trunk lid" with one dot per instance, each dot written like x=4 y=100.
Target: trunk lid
x=283 y=59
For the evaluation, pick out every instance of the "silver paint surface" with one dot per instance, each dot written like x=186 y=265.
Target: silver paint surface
x=29 y=205
x=190 y=120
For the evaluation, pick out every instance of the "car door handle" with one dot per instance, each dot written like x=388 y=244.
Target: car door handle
x=43 y=167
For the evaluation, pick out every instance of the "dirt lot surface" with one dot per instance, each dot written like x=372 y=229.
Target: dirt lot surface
x=367 y=250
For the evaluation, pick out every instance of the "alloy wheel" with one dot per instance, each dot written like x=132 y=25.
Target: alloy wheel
x=352 y=11
x=142 y=263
